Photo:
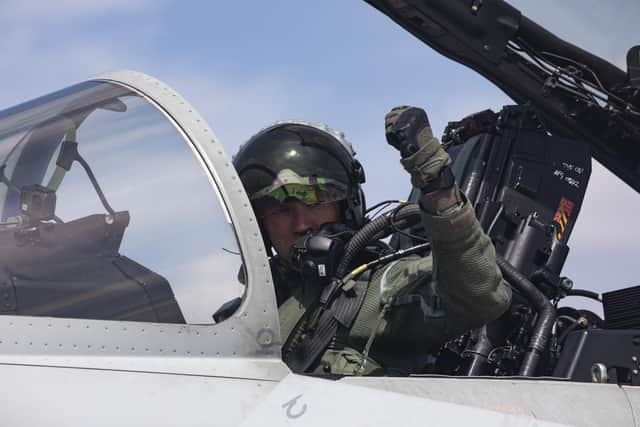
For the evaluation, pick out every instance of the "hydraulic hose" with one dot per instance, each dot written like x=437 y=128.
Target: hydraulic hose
x=370 y=230
x=546 y=315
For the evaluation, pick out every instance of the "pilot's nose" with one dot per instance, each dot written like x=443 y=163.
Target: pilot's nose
x=300 y=220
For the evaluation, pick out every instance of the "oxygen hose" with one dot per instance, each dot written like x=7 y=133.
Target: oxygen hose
x=546 y=315
x=369 y=231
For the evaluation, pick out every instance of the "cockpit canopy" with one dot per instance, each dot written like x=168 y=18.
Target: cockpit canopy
x=106 y=212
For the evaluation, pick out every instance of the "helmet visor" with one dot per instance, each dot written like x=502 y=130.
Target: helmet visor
x=289 y=186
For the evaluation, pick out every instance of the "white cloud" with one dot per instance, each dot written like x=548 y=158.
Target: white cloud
x=54 y=44
x=236 y=109
x=609 y=214
x=160 y=190
x=204 y=284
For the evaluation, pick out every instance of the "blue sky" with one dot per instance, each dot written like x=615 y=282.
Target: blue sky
x=246 y=64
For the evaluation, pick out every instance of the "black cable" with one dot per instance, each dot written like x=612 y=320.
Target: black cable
x=384 y=202
x=585 y=293
x=404 y=233
x=95 y=184
x=566 y=332
x=6 y=181
x=567 y=318
x=552 y=69
x=565 y=78
x=580 y=65
x=379 y=211
x=569 y=329
x=340 y=233
x=582 y=87
x=398 y=254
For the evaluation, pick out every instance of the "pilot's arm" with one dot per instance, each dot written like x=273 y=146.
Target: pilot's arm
x=460 y=286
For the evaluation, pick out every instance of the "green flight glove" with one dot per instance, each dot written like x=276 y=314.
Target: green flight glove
x=408 y=130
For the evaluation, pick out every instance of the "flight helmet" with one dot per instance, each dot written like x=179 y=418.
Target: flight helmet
x=303 y=161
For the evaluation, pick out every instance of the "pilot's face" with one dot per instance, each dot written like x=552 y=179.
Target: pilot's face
x=285 y=222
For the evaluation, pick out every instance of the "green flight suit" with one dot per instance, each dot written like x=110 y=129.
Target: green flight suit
x=457 y=289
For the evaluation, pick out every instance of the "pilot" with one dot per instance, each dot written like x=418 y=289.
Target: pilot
x=304 y=182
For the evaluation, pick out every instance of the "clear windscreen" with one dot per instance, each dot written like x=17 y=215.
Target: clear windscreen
x=107 y=213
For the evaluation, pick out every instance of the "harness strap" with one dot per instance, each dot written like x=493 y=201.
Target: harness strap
x=303 y=348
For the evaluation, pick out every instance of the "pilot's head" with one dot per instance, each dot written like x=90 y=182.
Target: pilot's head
x=298 y=177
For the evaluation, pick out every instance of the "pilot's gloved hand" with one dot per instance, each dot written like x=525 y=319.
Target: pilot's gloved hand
x=408 y=130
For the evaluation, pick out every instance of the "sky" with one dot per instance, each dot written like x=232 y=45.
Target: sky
x=246 y=64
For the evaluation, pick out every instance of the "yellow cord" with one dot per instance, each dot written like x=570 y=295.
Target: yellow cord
x=358 y=270
x=347 y=280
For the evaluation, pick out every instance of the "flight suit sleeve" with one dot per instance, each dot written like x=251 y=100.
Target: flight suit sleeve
x=467 y=279
x=457 y=289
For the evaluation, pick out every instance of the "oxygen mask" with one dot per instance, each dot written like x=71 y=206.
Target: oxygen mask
x=317 y=255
